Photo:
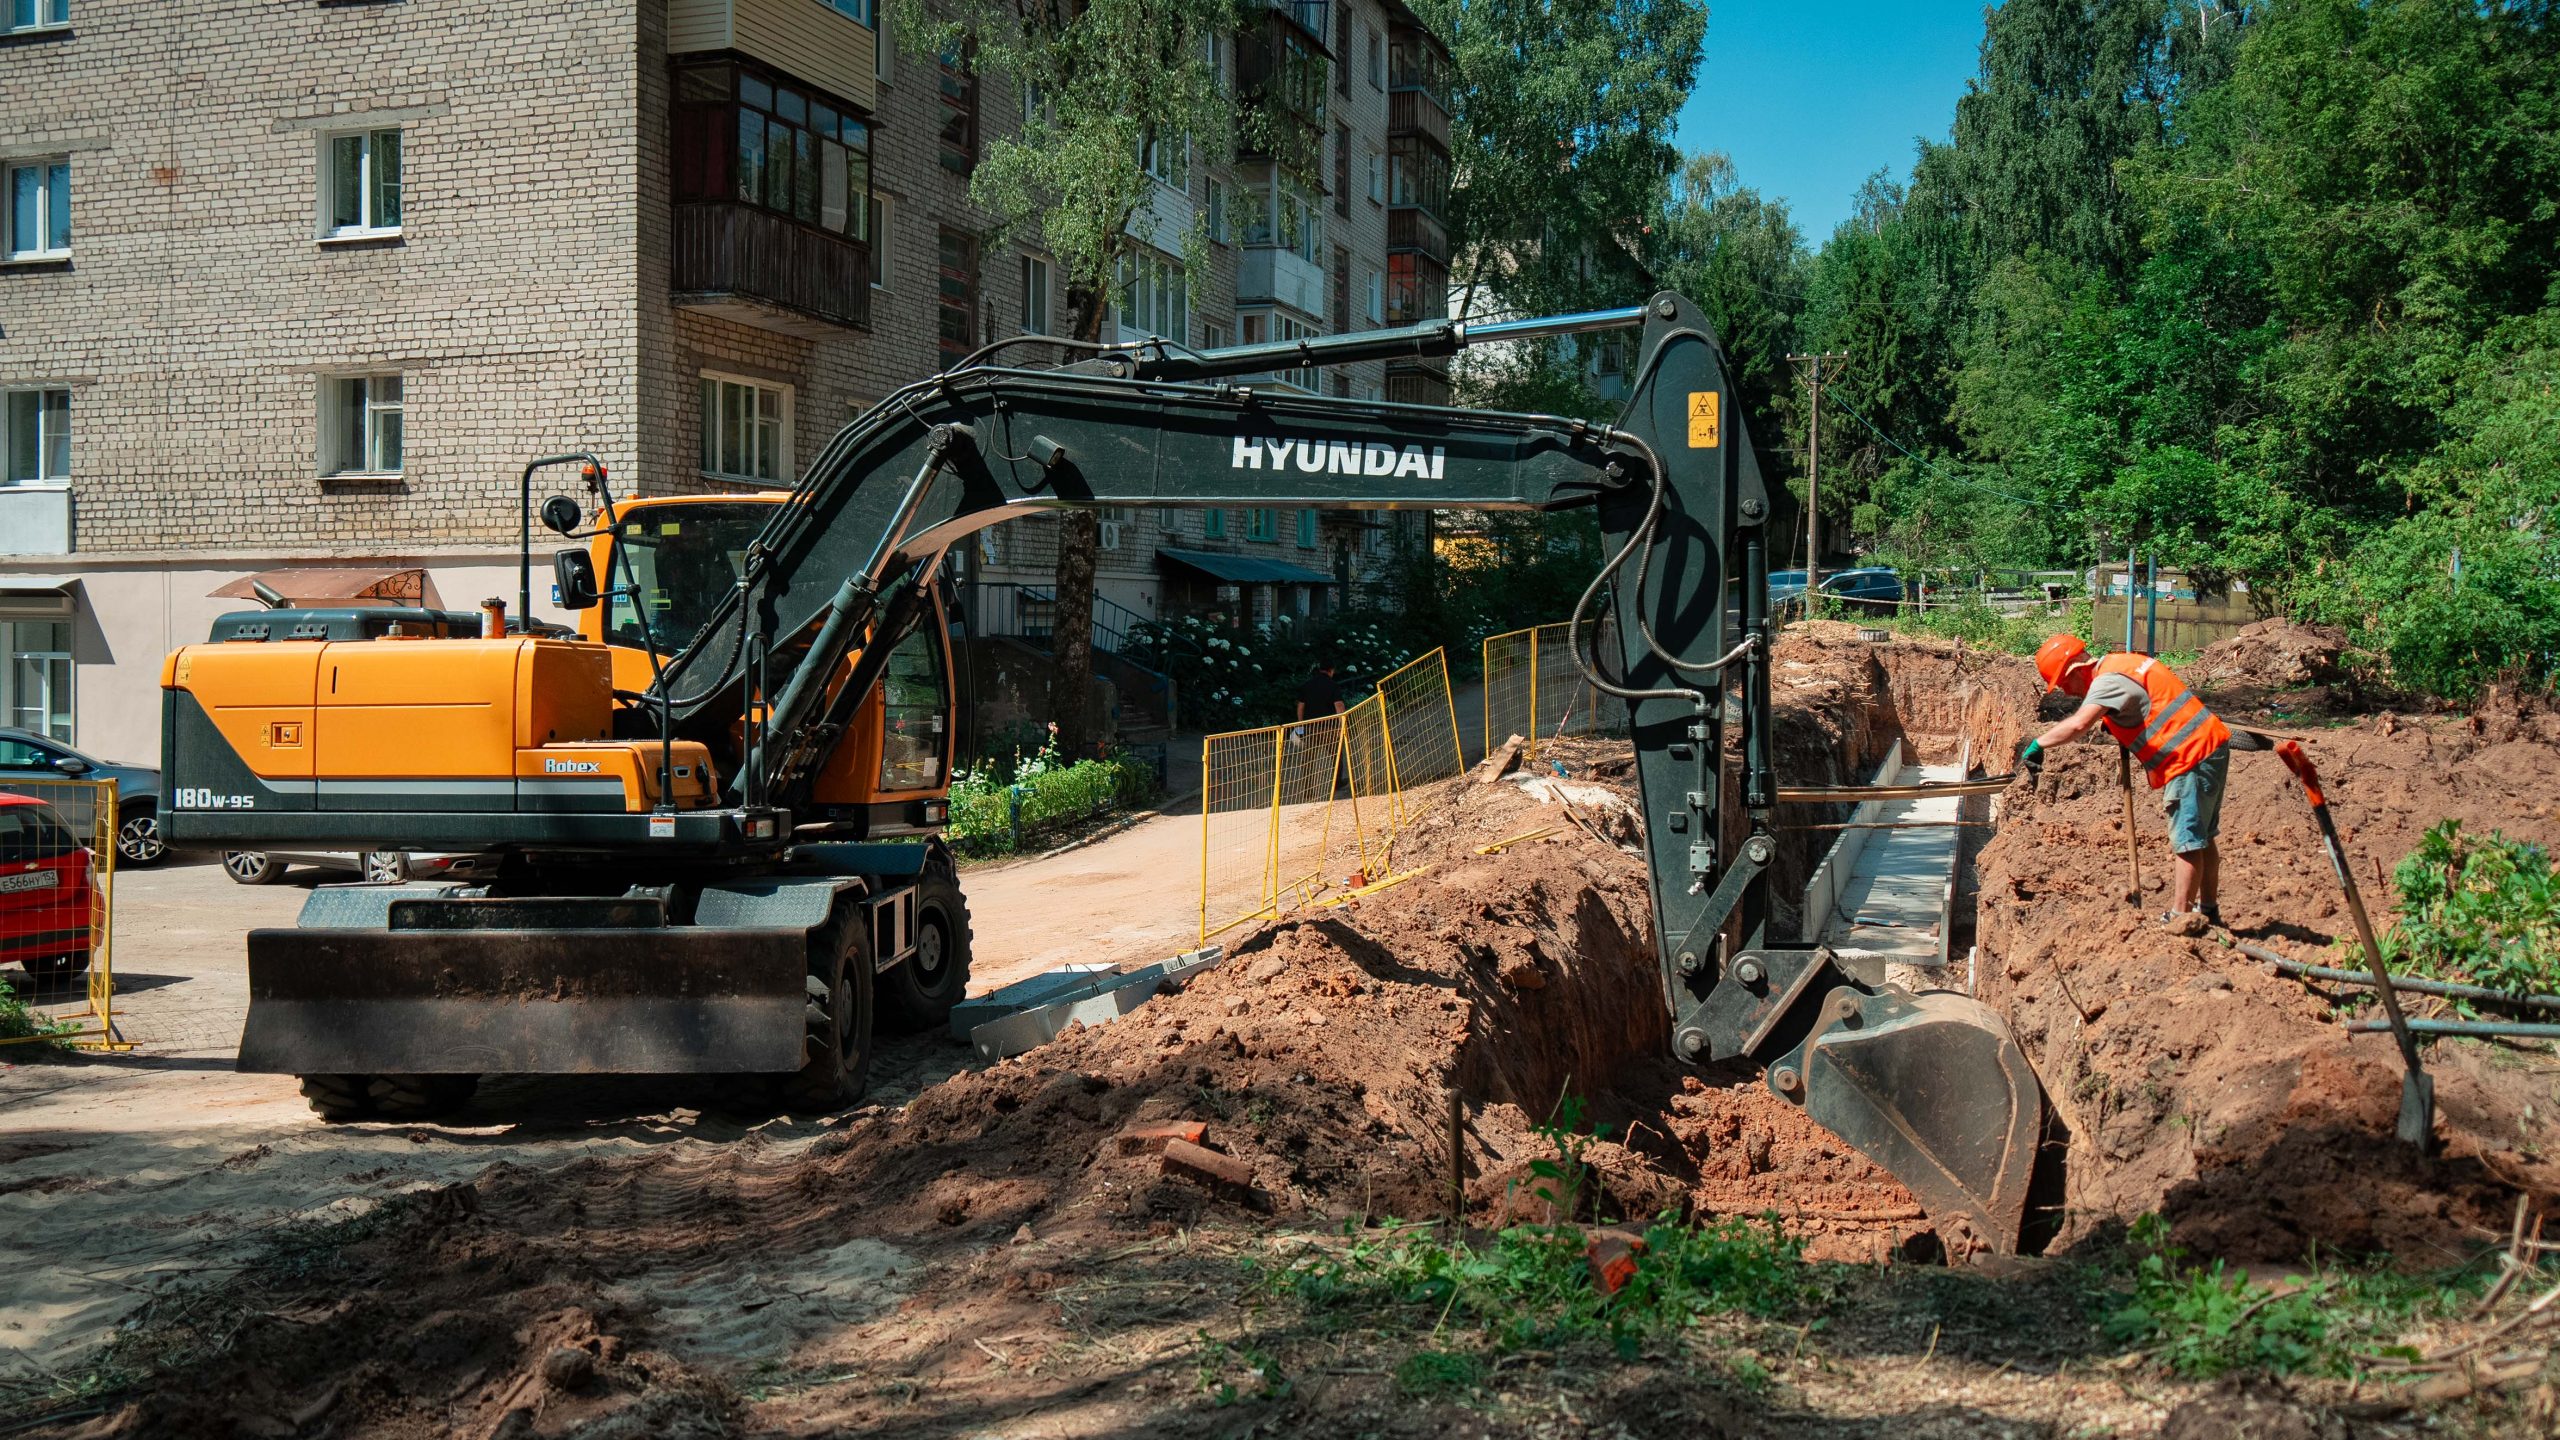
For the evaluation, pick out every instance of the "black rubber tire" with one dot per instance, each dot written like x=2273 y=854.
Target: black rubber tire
x=840 y=1006
x=338 y=1097
x=419 y=1097
x=140 y=842
x=919 y=991
x=251 y=867
x=54 y=969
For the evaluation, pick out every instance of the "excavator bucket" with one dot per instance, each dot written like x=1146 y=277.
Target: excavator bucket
x=1934 y=1088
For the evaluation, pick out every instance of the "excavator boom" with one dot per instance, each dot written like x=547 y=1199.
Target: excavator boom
x=779 y=672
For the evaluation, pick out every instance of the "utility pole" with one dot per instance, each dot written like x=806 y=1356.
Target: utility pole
x=1813 y=470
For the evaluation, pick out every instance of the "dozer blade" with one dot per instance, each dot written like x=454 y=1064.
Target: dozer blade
x=661 y=1001
x=1934 y=1088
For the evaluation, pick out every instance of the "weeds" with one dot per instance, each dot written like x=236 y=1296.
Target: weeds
x=18 y=1022
x=1222 y=1365
x=2480 y=909
x=1426 y=1373
x=2201 y=1321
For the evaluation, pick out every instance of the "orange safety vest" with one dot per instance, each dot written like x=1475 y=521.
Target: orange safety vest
x=2178 y=733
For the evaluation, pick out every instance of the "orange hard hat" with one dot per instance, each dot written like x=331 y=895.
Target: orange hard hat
x=2057 y=655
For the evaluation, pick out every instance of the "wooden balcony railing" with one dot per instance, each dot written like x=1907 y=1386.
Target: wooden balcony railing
x=733 y=250
x=1417 y=112
x=1412 y=228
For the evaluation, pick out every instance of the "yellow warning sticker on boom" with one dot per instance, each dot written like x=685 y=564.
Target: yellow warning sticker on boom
x=1702 y=419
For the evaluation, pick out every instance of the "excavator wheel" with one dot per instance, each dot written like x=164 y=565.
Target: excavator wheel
x=419 y=1097
x=839 y=1017
x=339 y=1097
x=920 y=992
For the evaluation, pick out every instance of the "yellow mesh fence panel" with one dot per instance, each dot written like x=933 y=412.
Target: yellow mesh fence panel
x=57 y=883
x=1240 y=774
x=1373 y=798
x=1422 y=733
x=1304 y=819
x=1535 y=689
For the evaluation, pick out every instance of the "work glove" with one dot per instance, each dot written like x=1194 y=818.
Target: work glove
x=2031 y=759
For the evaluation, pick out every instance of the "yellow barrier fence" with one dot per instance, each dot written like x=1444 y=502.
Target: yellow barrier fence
x=1292 y=815
x=1422 y=733
x=1533 y=688
x=57 y=889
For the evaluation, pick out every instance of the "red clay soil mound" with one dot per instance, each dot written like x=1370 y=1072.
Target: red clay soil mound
x=2274 y=655
x=2199 y=1084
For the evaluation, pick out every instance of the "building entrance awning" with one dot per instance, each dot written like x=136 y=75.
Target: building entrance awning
x=36 y=597
x=1243 y=569
x=338 y=585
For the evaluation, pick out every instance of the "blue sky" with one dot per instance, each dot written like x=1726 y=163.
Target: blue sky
x=1811 y=97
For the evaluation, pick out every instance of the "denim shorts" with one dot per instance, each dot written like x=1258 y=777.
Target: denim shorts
x=2194 y=800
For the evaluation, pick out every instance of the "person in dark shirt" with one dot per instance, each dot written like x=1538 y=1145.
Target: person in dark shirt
x=1319 y=696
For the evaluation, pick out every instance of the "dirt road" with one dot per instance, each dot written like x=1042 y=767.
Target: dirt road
x=118 y=1172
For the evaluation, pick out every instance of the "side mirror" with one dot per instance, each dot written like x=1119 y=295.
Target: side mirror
x=72 y=765
x=573 y=572
x=560 y=514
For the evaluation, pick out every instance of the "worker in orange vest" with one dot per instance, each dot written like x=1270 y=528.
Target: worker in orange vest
x=2183 y=746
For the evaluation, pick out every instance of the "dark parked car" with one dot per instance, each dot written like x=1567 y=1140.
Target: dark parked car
x=1873 y=587
x=139 y=839
x=47 y=896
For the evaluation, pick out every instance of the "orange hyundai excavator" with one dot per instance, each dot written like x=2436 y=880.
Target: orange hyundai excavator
x=711 y=817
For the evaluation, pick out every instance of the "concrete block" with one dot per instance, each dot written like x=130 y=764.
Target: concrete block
x=1040 y=989
x=1097 y=1001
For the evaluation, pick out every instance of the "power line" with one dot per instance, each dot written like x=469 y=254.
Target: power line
x=1928 y=465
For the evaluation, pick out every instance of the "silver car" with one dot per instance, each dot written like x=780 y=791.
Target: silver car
x=139 y=840
x=380 y=867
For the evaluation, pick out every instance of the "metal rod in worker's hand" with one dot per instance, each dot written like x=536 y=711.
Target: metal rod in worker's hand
x=2417 y=1091
x=2516 y=1029
x=1832 y=794
x=2412 y=984
x=2132 y=847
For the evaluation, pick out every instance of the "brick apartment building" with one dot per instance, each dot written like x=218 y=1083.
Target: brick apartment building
x=294 y=290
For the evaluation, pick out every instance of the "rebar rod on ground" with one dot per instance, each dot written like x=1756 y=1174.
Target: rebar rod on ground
x=1897 y=825
x=2414 y=984
x=2515 y=1029
x=1834 y=794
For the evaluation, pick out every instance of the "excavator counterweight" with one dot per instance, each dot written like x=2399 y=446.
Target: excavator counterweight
x=750 y=736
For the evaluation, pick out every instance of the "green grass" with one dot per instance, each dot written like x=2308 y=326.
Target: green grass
x=2205 y=1321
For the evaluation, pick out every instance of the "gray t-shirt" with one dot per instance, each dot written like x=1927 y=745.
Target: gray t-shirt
x=2121 y=696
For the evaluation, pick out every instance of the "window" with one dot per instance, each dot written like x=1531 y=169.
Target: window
x=35 y=689
x=1417 y=175
x=959 y=87
x=746 y=429
x=1289 y=218
x=39 y=204
x=956 y=295
x=742 y=137
x=1035 y=295
x=1342 y=172
x=1377 y=58
x=1035 y=105
x=858 y=11
x=1213 y=524
x=1261 y=523
x=1342 y=42
x=1213 y=49
x=37 y=15
x=1377 y=308
x=1306 y=529
x=1218 y=212
x=1213 y=337
x=361 y=425
x=1278 y=326
x=911 y=729
x=360 y=184
x=38 y=426
x=1377 y=178
x=879 y=228
x=1168 y=520
x=1155 y=297
x=1168 y=162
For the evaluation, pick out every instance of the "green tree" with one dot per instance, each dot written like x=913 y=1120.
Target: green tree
x=1101 y=87
x=1742 y=259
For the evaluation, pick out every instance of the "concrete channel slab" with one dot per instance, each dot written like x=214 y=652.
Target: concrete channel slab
x=1097 y=1000
x=1891 y=910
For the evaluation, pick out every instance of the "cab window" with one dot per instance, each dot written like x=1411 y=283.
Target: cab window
x=685 y=559
x=911 y=734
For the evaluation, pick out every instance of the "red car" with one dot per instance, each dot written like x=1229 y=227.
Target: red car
x=47 y=894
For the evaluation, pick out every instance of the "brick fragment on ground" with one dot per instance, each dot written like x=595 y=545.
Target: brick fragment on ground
x=1152 y=1139
x=1224 y=1176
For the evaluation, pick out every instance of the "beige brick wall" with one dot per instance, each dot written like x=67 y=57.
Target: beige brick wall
x=198 y=311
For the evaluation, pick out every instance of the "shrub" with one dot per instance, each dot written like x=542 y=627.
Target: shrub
x=2480 y=909
x=997 y=816
x=2205 y=1321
